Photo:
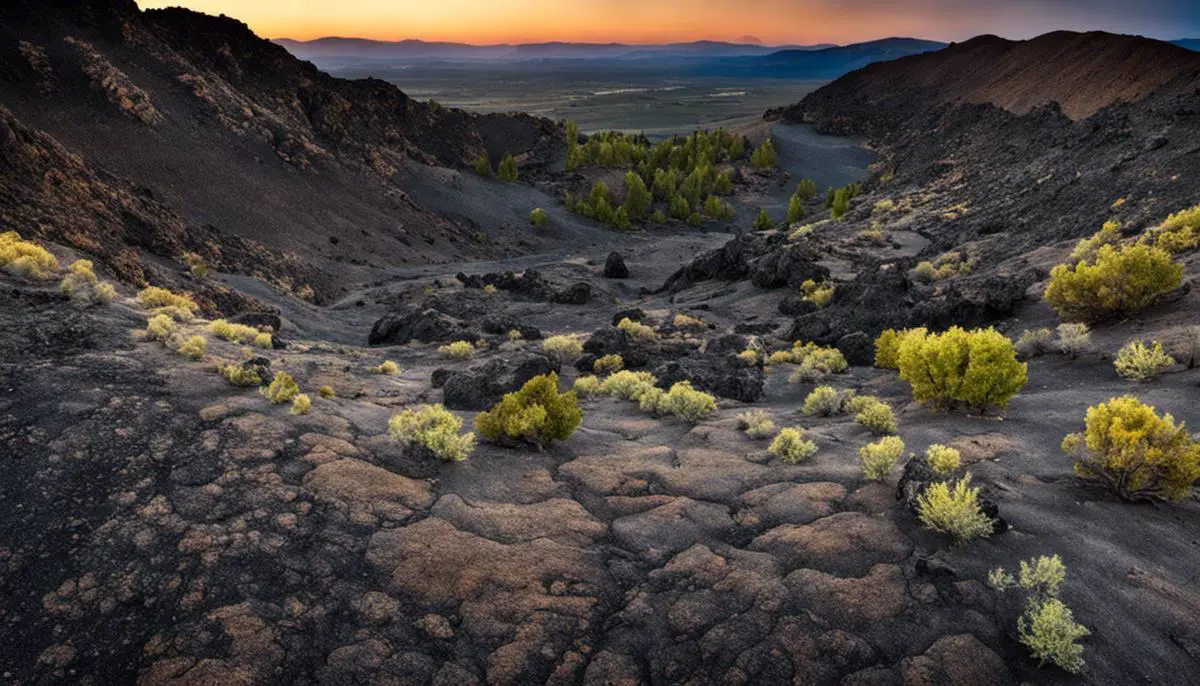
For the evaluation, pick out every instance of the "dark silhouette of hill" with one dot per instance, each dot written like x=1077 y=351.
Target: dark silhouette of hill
x=1081 y=72
x=827 y=63
x=1189 y=43
x=170 y=131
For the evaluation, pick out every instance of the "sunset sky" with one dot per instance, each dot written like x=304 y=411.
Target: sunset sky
x=649 y=21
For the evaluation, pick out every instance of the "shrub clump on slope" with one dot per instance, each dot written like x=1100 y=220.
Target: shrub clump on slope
x=81 y=285
x=1047 y=627
x=1136 y=453
x=536 y=414
x=1120 y=279
x=25 y=259
x=976 y=368
x=434 y=428
x=954 y=510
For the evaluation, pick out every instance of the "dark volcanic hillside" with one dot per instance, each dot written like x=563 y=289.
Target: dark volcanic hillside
x=1082 y=72
x=137 y=135
x=1008 y=186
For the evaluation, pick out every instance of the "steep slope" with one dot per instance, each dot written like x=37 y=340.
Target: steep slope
x=1007 y=189
x=1082 y=72
x=238 y=139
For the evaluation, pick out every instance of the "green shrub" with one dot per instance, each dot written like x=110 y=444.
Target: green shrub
x=538 y=217
x=954 y=510
x=160 y=327
x=878 y=418
x=239 y=374
x=301 y=404
x=458 y=350
x=81 y=285
x=537 y=414
x=653 y=400
x=748 y=357
x=815 y=362
x=1074 y=339
x=763 y=221
x=687 y=321
x=819 y=294
x=153 y=297
x=790 y=446
x=756 y=423
x=1121 y=280
x=879 y=458
x=1137 y=454
x=1034 y=342
x=806 y=189
x=434 y=428
x=1047 y=627
x=587 y=386
x=483 y=166
x=327 y=392
x=1180 y=232
x=196 y=265
x=1049 y=630
x=689 y=404
x=25 y=259
x=840 y=204
x=942 y=459
x=826 y=401
x=240 y=333
x=764 y=156
x=924 y=271
x=507 y=169
x=193 y=348
x=608 y=364
x=795 y=211
x=282 y=389
x=628 y=384
x=887 y=347
x=1140 y=362
x=778 y=357
x=976 y=368
x=637 y=331
x=1086 y=249
x=563 y=349
x=389 y=368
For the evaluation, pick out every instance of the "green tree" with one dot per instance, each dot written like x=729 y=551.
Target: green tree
x=508 y=168
x=763 y=221
x=621 y=219
x=737 y=148
x=483 y=166
x=679 y=207
x=765 y=157
x=796 y=210
x=637 y=197
x=840 y=204
x=712 y=207
x=806 y=190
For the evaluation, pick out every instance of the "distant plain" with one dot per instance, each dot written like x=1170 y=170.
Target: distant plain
x=598 y=95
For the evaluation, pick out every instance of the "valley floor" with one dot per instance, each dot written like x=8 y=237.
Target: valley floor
x=161 y=526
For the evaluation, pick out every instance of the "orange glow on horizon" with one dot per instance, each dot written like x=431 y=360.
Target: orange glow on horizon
x=482 y=22
x=775 y=22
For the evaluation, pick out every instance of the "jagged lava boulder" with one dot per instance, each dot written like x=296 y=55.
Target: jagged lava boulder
x=483 y=385
x=614 y=267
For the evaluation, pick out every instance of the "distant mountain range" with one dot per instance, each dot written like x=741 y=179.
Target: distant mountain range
x=1189 y=43
x=418 y=50
x=700 y=58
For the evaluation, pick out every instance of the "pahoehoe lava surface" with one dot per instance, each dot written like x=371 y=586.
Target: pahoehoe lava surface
x=161 y=526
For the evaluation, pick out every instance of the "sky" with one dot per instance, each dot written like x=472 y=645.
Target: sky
x=774 y=22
